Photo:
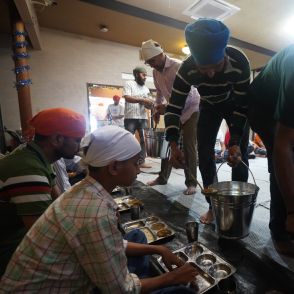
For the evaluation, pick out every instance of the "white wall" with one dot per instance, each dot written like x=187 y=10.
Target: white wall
x=61 y=70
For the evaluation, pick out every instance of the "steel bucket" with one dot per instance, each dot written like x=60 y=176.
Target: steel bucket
x=155 y=143
x=233 y=206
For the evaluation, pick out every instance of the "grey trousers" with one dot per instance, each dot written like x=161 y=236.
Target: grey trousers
x=133 y=125
x=189 y=133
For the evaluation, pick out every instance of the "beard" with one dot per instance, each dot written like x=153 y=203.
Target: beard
x=59 y=154
x=140 y=81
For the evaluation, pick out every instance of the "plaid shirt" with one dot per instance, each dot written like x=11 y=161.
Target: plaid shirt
x=135 y=110
x=73 y=247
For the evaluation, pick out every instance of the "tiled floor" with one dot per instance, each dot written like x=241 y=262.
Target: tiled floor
x=259 y=240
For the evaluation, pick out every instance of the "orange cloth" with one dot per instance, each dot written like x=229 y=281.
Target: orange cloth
x=258 y=141
x=116 y=98
x=60 y=121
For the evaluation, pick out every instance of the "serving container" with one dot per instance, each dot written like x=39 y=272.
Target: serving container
x=211 y=267
x=126 y=202
x=153 y=227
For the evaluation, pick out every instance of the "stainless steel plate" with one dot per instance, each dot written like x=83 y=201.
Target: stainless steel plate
x=149 y=234
x=159 y=229
x=219 y=271
x=211 y=267
x=125 y=203
x=206 y=260
x=134 y=225
x=193 y=250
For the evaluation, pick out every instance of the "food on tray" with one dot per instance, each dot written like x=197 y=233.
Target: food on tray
x=153 y=227
x=148 y=234
x=164 y=233
x=135 y=202
x=157 y=226
x=135 y=225
x=125 y=203
x=122 y=206
x=151 y=219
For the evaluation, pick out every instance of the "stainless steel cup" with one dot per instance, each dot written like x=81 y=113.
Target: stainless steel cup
x=192 y=231
x=227 y=286
x=135 y=211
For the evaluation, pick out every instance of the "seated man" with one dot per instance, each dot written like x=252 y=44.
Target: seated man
x=76 y=245
x=259 y=148
x=27 y=182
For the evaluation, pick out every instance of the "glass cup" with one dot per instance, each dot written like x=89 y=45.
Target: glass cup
x=192 y=231
x=135 y=211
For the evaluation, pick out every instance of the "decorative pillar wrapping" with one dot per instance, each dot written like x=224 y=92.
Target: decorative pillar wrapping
x=23 y=80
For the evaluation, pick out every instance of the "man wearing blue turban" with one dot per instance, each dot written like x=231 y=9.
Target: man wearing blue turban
x=221 y=75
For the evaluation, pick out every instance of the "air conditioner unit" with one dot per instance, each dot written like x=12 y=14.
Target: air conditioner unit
x=216 y=9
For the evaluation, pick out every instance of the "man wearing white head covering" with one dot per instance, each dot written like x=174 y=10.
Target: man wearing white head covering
x=164 y=73
x=76 y=245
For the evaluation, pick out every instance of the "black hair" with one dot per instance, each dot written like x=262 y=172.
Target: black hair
x=39 y=138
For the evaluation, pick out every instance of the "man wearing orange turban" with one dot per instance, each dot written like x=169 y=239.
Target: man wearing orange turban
x=26 y=176
x=116 y=112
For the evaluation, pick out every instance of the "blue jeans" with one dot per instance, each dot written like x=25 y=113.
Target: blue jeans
x=139 y=265
x=210 y=119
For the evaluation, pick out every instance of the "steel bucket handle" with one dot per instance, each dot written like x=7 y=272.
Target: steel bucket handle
x=243 y=164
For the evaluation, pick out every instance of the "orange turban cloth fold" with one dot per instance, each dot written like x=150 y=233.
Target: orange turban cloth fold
x=116 y=98
x=62 y=121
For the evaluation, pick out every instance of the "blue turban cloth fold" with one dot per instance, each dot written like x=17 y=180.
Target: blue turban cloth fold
x=207 y=40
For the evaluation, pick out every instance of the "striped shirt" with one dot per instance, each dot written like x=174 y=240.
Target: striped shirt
x=230 y=84
x=73 y=247
x=135 y=110
x=26 y=180
x=62 y=180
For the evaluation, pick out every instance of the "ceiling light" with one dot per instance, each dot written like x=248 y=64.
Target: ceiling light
x=287 y=28
x=103 y=29
x=186 y=50
x=217 y=9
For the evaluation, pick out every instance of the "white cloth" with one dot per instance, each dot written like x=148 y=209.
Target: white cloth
x=114 y=111
x=149 y=49
x=62 y=180
x=135 y=110
x=107 y=144
x=219 y=140
x=163 y=81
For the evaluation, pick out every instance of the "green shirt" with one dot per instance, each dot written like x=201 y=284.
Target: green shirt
x=26 y=180
x=273 y=88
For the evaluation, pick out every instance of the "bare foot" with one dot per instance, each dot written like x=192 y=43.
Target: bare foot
x=145 y=165
x=207 y=217
x=190 y=190
x=284 y=247
x=156 y=181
